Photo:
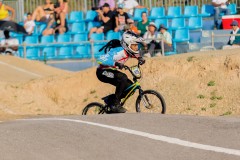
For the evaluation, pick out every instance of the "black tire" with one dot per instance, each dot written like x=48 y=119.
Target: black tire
x=93 y=108
x=154 y=102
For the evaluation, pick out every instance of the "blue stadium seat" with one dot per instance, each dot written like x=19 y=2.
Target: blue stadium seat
x=137 y=14
x=63 y=38
x=48 y=52
x=93 y=24
x=195 y=36
x=156 y=12
x=178 y=23
x=47 y=39
x=31 y=39
x=32 y=53
x=113 y=35
x=208 y=24
x=181 y=35
x=174 y=12
x=64 y=52
x=195 y=23
x=90 y=15
x=75 y=16
x=190 y=11
x=80 y=37
x=172 y=52
x=83 y=51
x=158 y=22
x=207 y=10
x=233 y=8
x=97 y=37
x=78 y=27
x=41 y=28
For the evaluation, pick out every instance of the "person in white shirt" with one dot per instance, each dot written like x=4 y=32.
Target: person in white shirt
x=150 y=39
x=220 y=6
x=29 y=24
x=8 y=45
x=166 y=37
x=129 y=5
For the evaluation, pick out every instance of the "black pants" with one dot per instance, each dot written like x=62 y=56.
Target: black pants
x=115 y=78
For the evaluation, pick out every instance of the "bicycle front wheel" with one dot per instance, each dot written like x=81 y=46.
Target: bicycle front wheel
x=93 y=108
x=151 y=102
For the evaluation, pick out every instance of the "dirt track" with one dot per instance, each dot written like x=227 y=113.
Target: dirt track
x=205 y=83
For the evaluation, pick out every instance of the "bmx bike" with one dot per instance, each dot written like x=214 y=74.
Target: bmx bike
x=147 y=100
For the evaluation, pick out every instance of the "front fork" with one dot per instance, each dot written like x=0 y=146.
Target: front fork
x=145 y=99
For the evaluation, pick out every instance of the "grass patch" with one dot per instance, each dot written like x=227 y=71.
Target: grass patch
x=212 y=105
x=211 y=83
x=200 y=96
x=95 y=96
x=227 y=113
x=93 y=91
x=190 y=59
x=203 y=109
x=189 y=109
x=85 y=100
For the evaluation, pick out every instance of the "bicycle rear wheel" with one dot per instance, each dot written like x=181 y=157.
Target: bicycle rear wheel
x=151 y=102
x=93 y=108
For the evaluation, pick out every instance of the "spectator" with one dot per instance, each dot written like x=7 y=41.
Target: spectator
x=110 y=2
x=234 y=41
x=61 y=11
x=131 y=27
x=142 y=25
x=60 y=27
x=44 y=13
x=106 y=16
x=121 y=19
x=150 y=40
x=29 y=24
x=4 y=12
x=9 y=45
x=220 y=6
x=166 y=38
x=129 y=5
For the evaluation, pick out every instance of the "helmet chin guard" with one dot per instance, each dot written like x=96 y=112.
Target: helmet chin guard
x=129 y=38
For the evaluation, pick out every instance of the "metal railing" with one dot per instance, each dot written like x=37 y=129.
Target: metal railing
x=213 y=36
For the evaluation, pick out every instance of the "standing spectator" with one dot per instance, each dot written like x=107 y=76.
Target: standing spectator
x=129 y=5
x=121 y=19
x=44 y=13
x=4 y=12
x=29 y=24
x=107 y=17
x=110 y=2
x=220 y=6
x=150 y=40
x=9 y=45
x=234 y=41
x=166 y=37
x=142 y=25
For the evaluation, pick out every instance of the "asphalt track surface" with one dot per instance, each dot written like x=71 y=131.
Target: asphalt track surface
x=121 y=136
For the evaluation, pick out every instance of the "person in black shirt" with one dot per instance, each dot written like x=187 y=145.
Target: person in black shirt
x=121 y=19
x=106 y=16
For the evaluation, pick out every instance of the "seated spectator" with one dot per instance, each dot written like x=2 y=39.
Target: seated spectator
x=107 y=17
x=234 y=41
x=61 y=10
x=110 y=2
x=56 y=27
x=142 y=25
x=129 y=5
x=166 y=38
x=44 y=13
x=8 y=45
x=220 y=6
x=4 y=12
x=121 y=19
x=131 y=27
x=29 y=24
x=150 y=40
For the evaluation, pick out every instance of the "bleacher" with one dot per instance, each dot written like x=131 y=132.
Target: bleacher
x=190 y=29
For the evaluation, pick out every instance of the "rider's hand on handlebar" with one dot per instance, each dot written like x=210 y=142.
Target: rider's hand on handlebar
x=119 y=65
x=141 y=61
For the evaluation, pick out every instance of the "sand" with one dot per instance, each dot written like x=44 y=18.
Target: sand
x=201 y=83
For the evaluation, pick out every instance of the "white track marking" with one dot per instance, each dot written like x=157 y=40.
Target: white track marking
x=150 y=136
x=20 y=69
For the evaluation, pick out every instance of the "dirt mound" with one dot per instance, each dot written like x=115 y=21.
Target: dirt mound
x=205 y=83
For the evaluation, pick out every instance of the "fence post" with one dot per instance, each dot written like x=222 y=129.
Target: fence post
x=24 y=49
x=212 y=39
x=92 y=53
x=162 y=46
